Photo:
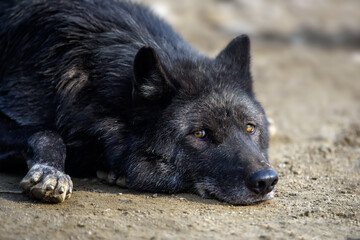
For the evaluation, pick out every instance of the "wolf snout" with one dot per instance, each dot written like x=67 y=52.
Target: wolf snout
x=262 y=181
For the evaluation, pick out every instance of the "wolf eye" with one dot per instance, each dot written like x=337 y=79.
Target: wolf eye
x=200 y=134
x=250 y=128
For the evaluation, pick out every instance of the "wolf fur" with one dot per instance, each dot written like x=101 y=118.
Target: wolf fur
x=90 y=85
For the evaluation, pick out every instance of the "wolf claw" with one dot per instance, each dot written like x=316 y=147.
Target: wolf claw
x=47 y=184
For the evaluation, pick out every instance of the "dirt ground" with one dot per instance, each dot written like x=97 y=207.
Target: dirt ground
x=306 y=67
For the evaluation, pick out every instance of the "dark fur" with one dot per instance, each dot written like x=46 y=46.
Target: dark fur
x=126 y=93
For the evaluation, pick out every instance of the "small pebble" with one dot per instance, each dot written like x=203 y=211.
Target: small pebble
x=81 y=225
x=316 y=209
x=281 y=165
x=155 y=195
x=324 y=149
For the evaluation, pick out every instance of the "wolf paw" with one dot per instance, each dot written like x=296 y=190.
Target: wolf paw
x=47 y=184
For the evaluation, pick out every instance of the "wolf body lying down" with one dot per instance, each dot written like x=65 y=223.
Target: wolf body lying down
x=90 y=85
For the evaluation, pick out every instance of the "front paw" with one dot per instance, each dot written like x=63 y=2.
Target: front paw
x=47 y=184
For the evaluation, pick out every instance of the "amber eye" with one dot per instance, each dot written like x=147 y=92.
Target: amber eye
x=200 y=134
x=250 y=128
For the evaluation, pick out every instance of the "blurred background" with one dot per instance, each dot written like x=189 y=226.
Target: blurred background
x=206 y=23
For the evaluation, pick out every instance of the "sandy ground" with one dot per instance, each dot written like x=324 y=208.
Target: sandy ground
x=306 y=67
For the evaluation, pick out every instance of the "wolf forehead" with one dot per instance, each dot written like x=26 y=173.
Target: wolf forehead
x=215 y=106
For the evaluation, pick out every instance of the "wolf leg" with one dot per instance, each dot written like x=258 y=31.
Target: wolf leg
x=46 y=179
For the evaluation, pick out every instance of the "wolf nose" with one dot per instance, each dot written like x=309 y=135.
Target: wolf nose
x=262 y=182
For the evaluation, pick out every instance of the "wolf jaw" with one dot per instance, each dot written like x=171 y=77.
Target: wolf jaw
x=239 y=195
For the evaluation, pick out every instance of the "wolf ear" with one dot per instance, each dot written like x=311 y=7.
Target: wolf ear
x=237 y=52
x=150 y=79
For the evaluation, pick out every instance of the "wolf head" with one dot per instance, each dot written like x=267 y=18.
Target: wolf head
x=197 y=126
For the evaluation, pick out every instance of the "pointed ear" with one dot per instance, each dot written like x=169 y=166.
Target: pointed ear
x=237 y=52
x=150 y=79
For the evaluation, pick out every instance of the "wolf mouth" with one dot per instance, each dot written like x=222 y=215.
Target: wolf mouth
x=253 y=200
x=237 y=196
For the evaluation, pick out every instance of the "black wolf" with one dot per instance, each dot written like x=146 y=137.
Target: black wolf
x=109 y=87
